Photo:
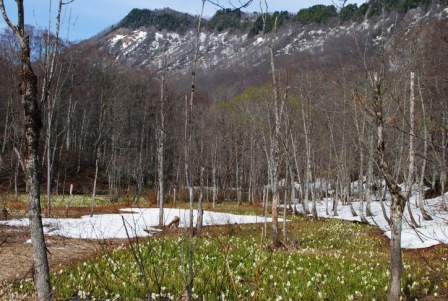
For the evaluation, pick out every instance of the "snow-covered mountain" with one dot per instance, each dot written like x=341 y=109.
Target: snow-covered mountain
x=235 y=49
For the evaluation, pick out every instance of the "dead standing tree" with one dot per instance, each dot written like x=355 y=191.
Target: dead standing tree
x=32 y=126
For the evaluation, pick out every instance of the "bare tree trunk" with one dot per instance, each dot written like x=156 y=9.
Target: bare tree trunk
x=161 y=150
x=398 y=200
x=32 y=124
x=421 y=185
x=51 y=51
x=397 y=208
x=237 y=177
x=327 y=212
x=362 y=194
x=5 y=132
x=369 y=180
x=252 y=185
x=443 y=163
x=215 y=188
x=274 y=157
x=69 y=201
x=362 y=146
x=200 y=209
x=275 y=154
x=296 y=165
x=411 y=171
x=293 y=189
x=382 y=198
x=188 y=158
x=285 y=196
x=306 y=184
x=94 y=183
x=214 y=180
x=336 y=196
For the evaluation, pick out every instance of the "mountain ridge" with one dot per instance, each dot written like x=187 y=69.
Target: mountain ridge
x=228 y=50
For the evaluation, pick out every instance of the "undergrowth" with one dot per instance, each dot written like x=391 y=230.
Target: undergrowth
x=324 y=260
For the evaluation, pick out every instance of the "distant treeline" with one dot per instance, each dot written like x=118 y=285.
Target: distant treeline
x=236 y=20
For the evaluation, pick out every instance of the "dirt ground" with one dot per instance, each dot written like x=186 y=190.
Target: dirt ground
x=16 y=256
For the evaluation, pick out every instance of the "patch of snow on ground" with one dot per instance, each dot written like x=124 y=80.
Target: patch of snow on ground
x=140 y=35
x=258 y=41
x=173 y=35
x=365 y=25
x=158 y=36
x=429 y=233
x=117 y=38
x=131 y=222
x=318 y=32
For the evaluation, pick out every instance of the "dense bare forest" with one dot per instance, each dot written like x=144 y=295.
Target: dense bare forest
x=103 y=113
x=291 y=127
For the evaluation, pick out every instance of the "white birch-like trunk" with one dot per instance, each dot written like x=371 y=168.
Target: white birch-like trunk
x=306 y=187
x=421 y=185
x=189 y=152
x=215 y=188
x=411 y=168
x=369 y=179
x=161 y=152
x=94 y=184
x=278 y=103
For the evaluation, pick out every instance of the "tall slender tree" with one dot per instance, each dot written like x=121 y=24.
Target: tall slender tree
x=32 y=126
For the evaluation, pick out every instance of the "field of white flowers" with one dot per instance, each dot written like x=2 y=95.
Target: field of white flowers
x=329 y=259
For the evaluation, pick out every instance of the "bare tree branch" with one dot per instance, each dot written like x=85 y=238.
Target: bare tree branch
x=240 y=4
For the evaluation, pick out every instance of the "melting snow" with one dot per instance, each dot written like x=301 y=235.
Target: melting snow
x=138 y=221
x=429 y=233
x=130 y=222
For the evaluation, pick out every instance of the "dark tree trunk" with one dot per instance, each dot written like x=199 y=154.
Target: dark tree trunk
x=32 y=126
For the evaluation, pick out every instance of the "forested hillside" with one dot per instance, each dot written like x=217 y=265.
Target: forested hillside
x=105 y=113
